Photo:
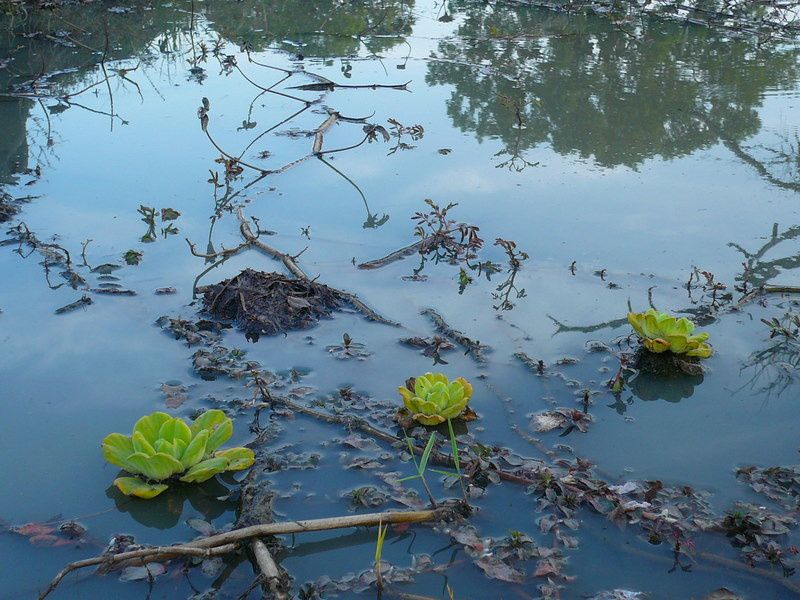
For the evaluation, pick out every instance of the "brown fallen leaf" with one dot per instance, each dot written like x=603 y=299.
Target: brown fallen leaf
x=359 y=441
x=45 y=535
x=148 y=571
x=497 y=569
x=723 y=594
x=561 y=418
x=175 y=393
x=548 y=421
x=546 y=568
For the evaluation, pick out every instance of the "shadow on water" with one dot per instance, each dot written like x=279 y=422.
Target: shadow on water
x=210 y=499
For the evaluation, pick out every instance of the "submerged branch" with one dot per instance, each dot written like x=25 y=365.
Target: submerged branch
x=328 y=86
x=472 y=347
x=143 y=556
x=291 y=265
x=269 y=569
x=228 y=542
x=324 y=524
x=767 y=289
x=420 y=247
x=351 y=423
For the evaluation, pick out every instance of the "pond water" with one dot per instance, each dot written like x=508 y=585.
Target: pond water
x=633 y=154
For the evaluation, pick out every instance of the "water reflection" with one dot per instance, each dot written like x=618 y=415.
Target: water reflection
x=49 y=67
x=211 y=499
x=321 y=29
x=771 y=370
x=759 y=271
x=584 y=87
x=649 y=387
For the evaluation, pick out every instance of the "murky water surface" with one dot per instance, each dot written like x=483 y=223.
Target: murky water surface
x=634 y=157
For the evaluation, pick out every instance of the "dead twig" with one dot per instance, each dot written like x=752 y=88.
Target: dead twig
x=767 y=289
x=321 y=130
x=471 y=347
x=228 y=542
x=420 y=247
x=352 y=423
x=269 y=569
x=292 y=266
x=221 y=255
x=105 y=75
x=328 y=86
x=143 y=556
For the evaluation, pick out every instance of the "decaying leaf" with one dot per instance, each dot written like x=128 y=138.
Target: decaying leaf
x=175 y=394
x=497 y=569
x=146 y=572
x=619 y=595
x=49 y=534
x=548 y=421
x=169 y=214
x=359 y=441
x=561 y=418
x=722 y=594
x=133 y=257
x=269 y=303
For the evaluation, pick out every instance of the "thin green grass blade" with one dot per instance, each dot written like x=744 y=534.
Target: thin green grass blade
x=454 y=446
x=411 y=450
x=446 y=473
x=379 y=546
x=426 y=454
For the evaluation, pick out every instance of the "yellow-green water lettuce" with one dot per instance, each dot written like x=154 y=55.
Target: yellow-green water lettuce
x=661 y=332
x=432 y=399
x=163 y=448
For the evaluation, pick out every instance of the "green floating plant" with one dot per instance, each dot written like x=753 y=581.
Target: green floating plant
x=164 y=448
x=432 y=399
x=661 y=332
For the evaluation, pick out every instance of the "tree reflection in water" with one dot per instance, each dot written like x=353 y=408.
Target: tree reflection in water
x=584 y=87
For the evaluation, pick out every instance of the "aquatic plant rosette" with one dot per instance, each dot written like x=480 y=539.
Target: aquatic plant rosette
x=165 y=449
x=661 y=332
x=432 y=399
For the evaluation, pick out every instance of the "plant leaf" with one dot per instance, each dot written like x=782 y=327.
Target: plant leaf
x=426 y=454
x=180 y=447
x=159 y=466
x=196 y=450
x=454 y=446
x=140 y=444
x=205 y=470
x=208 y=420
x=165 y=447
x=150 y=425
x=220 y=435
x=182 y=432
x=175 y=429
x=133 y=486
x=165 y=432
x=238 y=458
x=201 y=526
x=117 y=448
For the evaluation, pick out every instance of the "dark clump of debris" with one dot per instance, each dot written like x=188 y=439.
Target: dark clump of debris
x=7 y=207
x=667 y=364
x=269 y=303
